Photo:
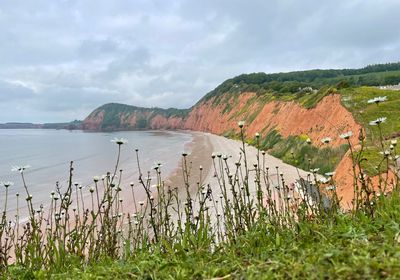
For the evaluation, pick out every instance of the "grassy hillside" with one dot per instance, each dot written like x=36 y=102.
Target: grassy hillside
x=356 y=100
x=300 y=82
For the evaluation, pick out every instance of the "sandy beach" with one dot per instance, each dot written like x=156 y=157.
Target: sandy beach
x=200 y=152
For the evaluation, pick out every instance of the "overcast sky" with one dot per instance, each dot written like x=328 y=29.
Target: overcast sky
x=59 y=60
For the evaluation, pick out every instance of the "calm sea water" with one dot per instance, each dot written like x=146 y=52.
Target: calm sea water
x=49 y=153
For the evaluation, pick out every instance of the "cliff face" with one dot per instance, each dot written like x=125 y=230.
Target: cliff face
x=220 y=114
x=124 y=117
x=327 y=119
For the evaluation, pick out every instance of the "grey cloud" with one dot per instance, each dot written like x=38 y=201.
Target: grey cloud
x=71 y=56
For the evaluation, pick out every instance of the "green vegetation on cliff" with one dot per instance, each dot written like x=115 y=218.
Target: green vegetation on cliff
x=115 y=112
x=356 y=101
x=303 y=82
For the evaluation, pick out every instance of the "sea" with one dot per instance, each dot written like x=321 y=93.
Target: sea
x=49 y=153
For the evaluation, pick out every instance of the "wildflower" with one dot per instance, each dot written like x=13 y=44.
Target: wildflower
x=378 y=121
x=326 y=140
x=391 y=147
x=213 y=155
x=91 y=189
x=330 y=188
x=308 y=141
x=119 y=141
x=141 y=203
x=201 y=167
x=241 y=124
x=257 y=135
x=346 y=135
x=7 y=184
x=377 y=100
x=29 y=197
x=184 y=154
x=314 y=170
x=324 y=180
x=20 y=168
x=96 y=179
x=385 y=153
x=224 y=157
x=329 y=174
x=393 y=142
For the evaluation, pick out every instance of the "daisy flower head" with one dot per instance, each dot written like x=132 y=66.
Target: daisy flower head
x=330 y=188
x=377 y=100
x=7 y=184
x=20 y=169
x=326 y=140
x=241 y=124
x=385 y=153
x=119 y=141
x=378 y=121
x=324 y=180
x=346 y=135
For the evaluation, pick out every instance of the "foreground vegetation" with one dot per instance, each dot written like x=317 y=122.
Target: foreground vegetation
x=342 y=247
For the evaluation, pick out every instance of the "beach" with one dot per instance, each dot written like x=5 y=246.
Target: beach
x=200 y=152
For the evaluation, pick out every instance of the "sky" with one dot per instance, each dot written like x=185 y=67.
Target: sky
x=60 y=59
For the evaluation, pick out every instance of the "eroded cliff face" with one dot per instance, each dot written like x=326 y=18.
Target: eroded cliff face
x=328 y=119
x=148 y=119
x=220 y=116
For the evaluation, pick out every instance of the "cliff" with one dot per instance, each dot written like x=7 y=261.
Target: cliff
x=286 y=109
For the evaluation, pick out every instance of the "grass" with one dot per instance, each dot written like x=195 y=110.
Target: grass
x=355 y=100
x=341 y=247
